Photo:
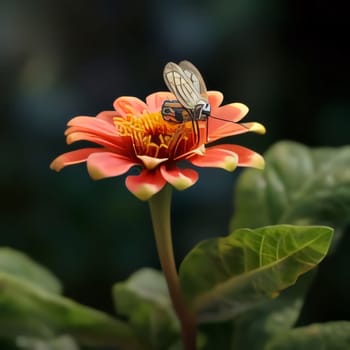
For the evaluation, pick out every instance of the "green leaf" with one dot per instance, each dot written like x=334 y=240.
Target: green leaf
x=299 y=186
x=254 y=328
x=29 y=310
x=222 y=277
x=18 y=264
x=144 y=300
x=60 y=343
x=325 y=336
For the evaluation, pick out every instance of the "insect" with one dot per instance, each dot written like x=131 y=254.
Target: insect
x=186 y=83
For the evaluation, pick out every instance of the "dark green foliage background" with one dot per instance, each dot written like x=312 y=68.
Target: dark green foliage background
x=285 y=59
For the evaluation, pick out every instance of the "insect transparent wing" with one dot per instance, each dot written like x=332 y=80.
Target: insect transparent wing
x=180 y=84
x=196 y=77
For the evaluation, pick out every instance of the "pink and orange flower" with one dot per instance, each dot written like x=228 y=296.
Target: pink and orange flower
x=135 y=134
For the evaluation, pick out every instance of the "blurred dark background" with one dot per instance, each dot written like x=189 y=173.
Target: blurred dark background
x=287 y=60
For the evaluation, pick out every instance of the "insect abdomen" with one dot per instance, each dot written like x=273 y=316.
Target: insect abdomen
x=173 y=112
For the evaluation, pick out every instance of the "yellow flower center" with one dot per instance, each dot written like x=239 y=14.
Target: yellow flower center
x=152 y=136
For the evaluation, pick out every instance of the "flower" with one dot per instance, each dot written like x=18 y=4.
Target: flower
x=135 y=134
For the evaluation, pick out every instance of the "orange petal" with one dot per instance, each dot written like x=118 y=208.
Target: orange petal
x=129 y=105
x=225 y=129
x=73 y=157
x=246 y=157
x=116 y=144
x=146 y=184
x=179 y=178
x=93 y=125
x=215 y=98
x=232 y=112
x=216 y=157
x=107 y=116
x=155 y=101
x=108 y=164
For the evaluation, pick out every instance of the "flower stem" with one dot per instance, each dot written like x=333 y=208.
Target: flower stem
x=160 y=213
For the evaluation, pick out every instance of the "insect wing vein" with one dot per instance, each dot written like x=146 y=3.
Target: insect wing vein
x=182 y=85
x=196 y=77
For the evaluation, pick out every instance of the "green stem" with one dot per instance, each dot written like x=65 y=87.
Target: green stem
x=160 y=213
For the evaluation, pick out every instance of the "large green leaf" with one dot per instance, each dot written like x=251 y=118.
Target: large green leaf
x=29 y=310
x=222 y=277
x=18 y=264
x=299 y=185
x=144 y=300
x=325 y=336
x=254 y=328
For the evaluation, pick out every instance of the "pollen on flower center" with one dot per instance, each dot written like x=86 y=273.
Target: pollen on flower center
x=154 y=137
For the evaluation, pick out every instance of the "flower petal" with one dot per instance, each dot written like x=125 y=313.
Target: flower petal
x=98 y=131
x=107 y=116
x=117 y=144
x=232 y=112
x=73 y=157
x=107 y=164
x=146 y=184
x=151 y=162
x=155 y=101
x=215 y=98
x=129 y=105
x=216 y=157
x=179 y=178
x=91 y=124
x=246 y=156
x=255 y=127
x=225 y=130
x=231 y=129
